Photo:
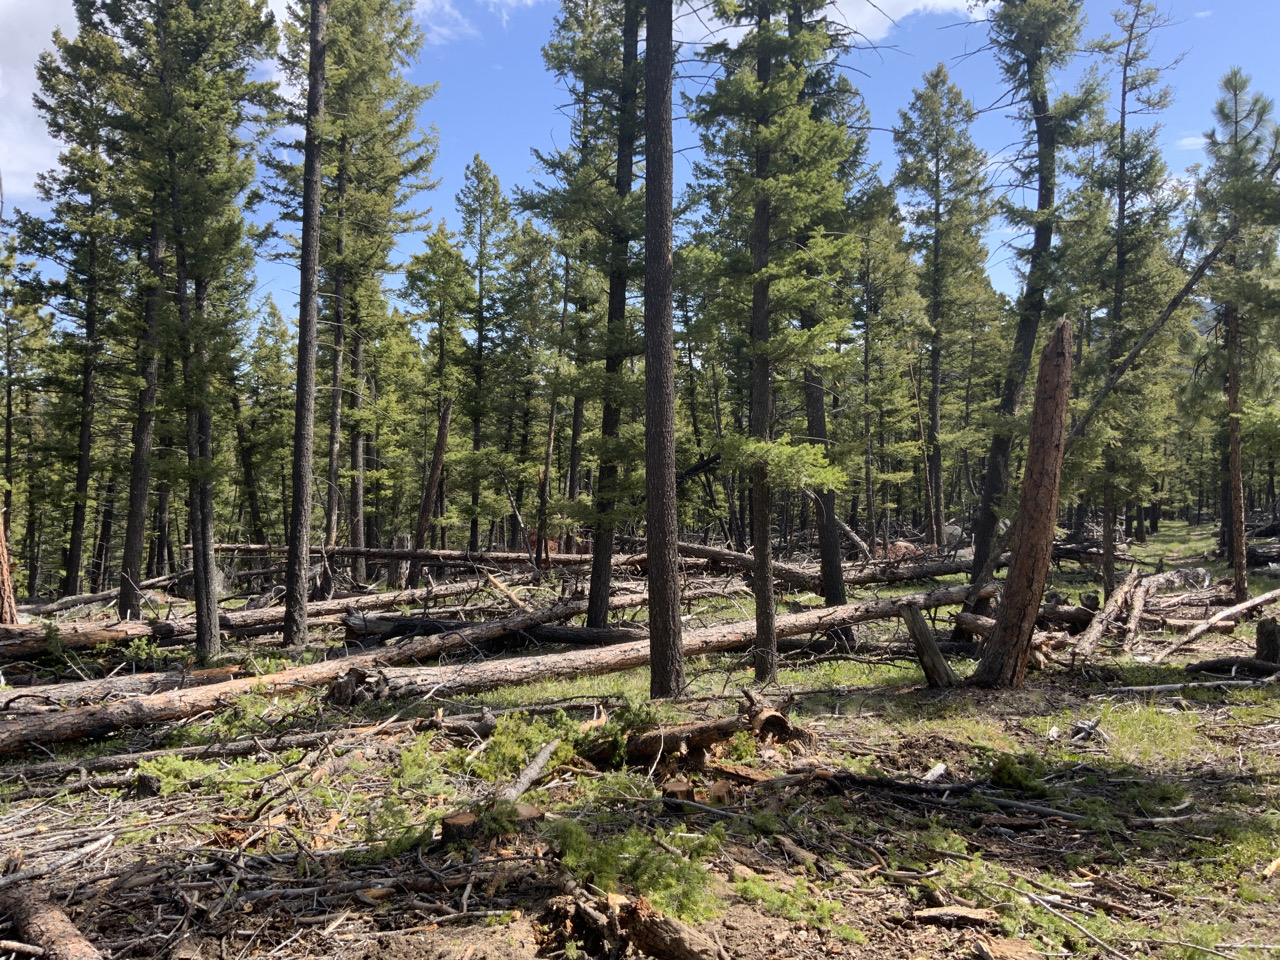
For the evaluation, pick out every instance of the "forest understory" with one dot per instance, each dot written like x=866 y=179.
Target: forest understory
x=1122 y=804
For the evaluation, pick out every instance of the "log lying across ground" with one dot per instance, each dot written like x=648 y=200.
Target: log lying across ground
x=32 y=639
x=486 y=675
x=810 y=578
x=20 y=734
x=87 y=599
x=447 y=558
x=42 y=923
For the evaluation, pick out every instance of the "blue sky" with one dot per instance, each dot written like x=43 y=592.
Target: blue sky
x=496 y=99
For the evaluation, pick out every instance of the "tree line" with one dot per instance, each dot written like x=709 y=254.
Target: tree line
x=813 y=353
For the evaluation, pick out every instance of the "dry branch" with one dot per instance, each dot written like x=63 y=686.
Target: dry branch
x=1203 y=628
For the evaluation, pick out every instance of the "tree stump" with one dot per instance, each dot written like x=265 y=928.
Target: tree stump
x=1268 y=642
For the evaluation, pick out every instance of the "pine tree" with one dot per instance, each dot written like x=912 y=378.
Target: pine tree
x=943 y=173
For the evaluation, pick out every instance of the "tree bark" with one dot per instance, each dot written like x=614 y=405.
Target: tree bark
x=1108 y=617
x=39 y=921
x=333 y=483
x=616 y=319
x=135 y=531
x=297 y=575
x=766 y=648
x=1031 y=307
x=1239 y=551
x=1004 y=662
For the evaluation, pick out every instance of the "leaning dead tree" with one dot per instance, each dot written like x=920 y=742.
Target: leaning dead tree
x=1008 y=650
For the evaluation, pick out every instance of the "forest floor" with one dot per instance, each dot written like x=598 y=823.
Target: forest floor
x=1069 y=818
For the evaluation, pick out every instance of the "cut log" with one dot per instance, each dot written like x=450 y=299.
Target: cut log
x=101 y=720
x=937 y=671
x=1109 y=617
x=665 y=938
x=1202 y=628
x=42 y=923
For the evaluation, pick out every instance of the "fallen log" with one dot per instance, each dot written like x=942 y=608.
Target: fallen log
x=87 y=599
x=42 y=923
x=810 y=578
x=1263 y=668
x=56 y=696
x=388 y=627
x=1109 y=617
x=1177 y=624
x=445 y=558
x=34 y=639
x=103 y=719
x=1202 y=628
x=477 y=677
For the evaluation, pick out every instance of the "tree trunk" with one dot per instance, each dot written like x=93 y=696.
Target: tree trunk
x=1031 y=308
x=102 y=549
x=244 y=447
x=135 y=530
x=297 y=576
x=338 y=312
x=1004 y=662
x=616 y=320
x=1236 y=470
x=667 y=677
x=84 y=449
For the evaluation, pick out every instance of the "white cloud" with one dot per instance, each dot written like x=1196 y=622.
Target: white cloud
x=443 y=22
x=872 y=21
x=25 y=147
x=1202 y=14
x=1194 y=142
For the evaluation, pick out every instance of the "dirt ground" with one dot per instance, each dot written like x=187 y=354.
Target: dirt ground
x=1076 y=817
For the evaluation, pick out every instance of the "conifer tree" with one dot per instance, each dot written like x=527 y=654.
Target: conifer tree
x=943 y=173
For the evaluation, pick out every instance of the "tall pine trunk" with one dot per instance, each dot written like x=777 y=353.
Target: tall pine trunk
x=299 y=562
x=356 y=530
x=129 y=603
x=339 y=349
x=766 y=643
x=666 y=677
x=615 y=325
x=84 y=448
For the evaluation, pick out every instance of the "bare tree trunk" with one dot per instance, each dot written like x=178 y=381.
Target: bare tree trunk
x=298 y=568
x=1004 y=661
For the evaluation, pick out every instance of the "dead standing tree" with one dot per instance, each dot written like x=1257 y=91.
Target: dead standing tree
x=1004 y=662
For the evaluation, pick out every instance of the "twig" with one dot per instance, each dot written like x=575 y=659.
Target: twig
x=1040 y=901
x=32 y=873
